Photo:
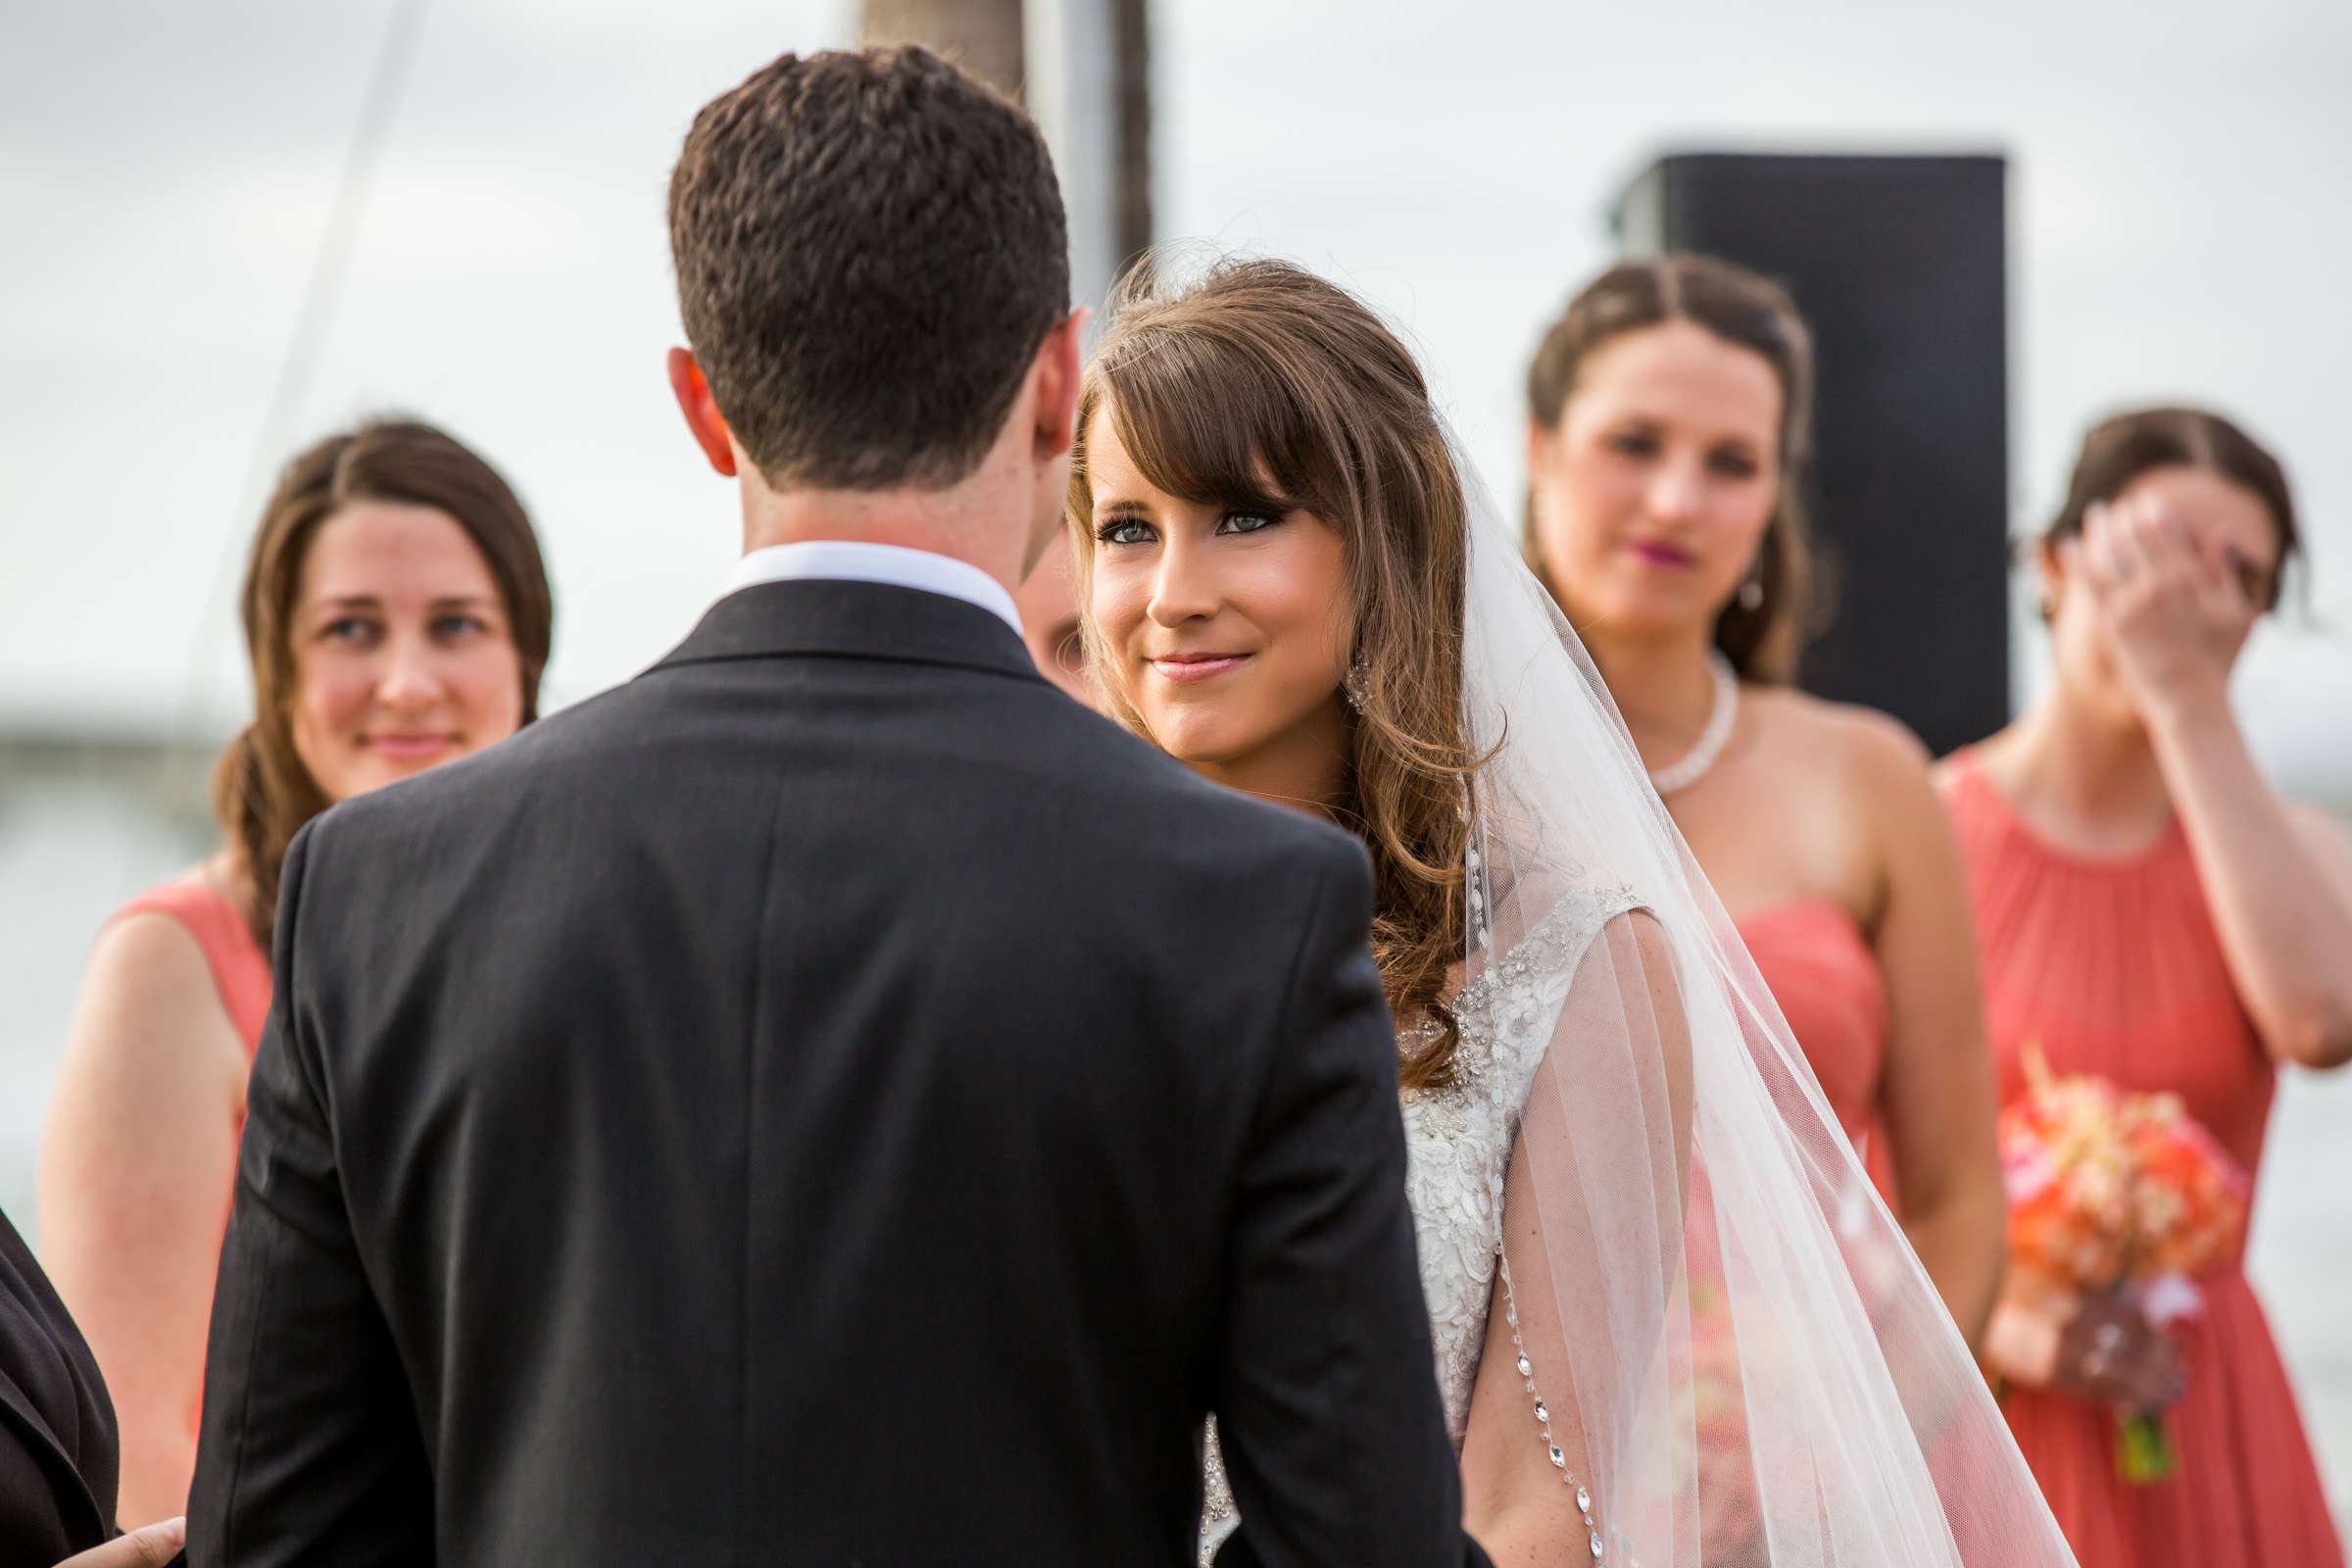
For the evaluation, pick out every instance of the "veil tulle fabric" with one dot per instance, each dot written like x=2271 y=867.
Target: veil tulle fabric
x=1742 y=1357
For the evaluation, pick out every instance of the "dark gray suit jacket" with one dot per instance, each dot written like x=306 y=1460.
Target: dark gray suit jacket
x=58 y=1461
x=831 y=1099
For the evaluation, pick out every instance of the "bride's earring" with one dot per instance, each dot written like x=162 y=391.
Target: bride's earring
x=1752 y=592
x=1353 y=684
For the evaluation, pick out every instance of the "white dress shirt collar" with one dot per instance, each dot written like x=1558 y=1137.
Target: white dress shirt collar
x=855 y=560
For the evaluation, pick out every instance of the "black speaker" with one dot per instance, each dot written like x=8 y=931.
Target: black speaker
x=1900 y=266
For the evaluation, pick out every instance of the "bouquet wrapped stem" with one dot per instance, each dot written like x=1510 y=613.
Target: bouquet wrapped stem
x=2108 y=1189
x=2143 y=1452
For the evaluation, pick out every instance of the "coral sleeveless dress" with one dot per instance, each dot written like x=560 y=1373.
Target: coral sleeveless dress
x=2114 y=967
x=240 y=968
x=240 y=972
x=1821 y=970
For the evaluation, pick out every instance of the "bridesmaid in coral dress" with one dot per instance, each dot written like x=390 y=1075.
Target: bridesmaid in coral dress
x=2153 y=914
x=397 y=615
x=1666 y=453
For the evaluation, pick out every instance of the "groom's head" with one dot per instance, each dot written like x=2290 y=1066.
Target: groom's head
x=875 y=277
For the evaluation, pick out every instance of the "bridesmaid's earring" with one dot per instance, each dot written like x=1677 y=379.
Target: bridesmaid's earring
x=1353 y=684
x=1752 y=592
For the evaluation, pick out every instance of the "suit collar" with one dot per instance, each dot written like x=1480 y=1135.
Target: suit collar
x=840 y=618
x=860 y=561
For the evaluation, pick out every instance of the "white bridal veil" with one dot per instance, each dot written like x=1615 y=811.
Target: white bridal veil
x=1740 y=1359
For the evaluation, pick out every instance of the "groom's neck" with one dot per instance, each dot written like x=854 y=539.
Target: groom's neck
x=975 y=521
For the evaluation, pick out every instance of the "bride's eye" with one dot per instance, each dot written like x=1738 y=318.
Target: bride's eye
x=1246 y=522
x=1124 y=531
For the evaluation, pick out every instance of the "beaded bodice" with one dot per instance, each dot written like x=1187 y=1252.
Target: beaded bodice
x=1458 y=1139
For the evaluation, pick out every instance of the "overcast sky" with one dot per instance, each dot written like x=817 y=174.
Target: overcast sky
x=2181 y=221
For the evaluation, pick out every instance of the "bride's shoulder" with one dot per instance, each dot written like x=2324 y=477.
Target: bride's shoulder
x=1566 y=917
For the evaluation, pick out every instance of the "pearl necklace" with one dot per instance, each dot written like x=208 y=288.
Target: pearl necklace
x=1712 y=739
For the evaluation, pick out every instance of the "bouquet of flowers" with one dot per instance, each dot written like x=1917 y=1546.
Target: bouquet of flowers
x=2108 y=1189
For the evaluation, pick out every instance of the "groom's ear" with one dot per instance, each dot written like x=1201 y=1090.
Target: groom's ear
x=709 y=426
x=1057 y=374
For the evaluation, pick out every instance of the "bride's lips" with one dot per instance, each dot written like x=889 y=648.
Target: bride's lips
x=1187 y=668
x=1658 y=554
x=409 y=747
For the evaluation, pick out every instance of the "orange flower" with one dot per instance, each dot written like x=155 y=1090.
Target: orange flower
x=2105 y=1186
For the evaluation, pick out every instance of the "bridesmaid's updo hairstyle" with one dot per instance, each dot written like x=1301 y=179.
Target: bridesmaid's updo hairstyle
x=1748 y=310
x=2118 y=451
x=262 y=792
x=1261 y=386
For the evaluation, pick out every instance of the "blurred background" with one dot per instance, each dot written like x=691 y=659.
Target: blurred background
x=231 y=225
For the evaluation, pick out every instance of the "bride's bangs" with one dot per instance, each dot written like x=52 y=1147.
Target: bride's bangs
x=1211 y=423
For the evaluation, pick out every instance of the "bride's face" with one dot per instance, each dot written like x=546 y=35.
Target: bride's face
x=1227 y=629
x=1653 y=491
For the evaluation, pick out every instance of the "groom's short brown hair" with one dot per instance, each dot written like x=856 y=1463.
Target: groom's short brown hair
x=871 y=247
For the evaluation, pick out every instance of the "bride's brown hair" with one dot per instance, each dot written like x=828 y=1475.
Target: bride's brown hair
x=1260 y=385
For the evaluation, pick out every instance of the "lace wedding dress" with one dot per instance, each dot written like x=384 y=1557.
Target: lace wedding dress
x=1459 y=1140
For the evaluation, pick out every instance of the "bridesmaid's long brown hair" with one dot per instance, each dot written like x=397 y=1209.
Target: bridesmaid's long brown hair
x=262 y=792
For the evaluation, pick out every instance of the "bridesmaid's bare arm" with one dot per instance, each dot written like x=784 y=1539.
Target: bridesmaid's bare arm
x=136 y=1165
x=2277 y=880
x=1937 y=1098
